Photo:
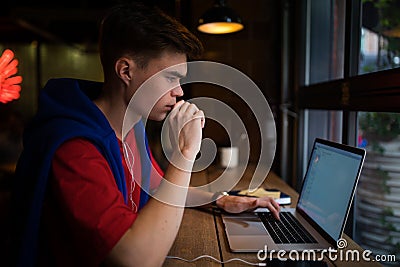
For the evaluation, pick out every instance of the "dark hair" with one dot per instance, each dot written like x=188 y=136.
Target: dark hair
x=143 y=32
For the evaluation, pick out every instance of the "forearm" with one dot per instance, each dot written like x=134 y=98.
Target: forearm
x=152 y=234
x=197 y=197
x=150 y=237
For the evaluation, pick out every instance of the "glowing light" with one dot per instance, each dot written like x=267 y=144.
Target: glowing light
x=220 y=27
x=9 y=85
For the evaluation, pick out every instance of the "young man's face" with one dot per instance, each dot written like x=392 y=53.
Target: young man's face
x=157 y=86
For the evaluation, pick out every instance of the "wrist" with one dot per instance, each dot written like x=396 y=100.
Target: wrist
x=189 y=154
x=216 y=196
x=182 y=162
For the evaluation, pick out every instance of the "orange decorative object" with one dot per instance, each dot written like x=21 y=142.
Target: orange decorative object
x=9 y=86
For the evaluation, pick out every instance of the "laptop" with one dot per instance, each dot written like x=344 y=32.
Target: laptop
x=321 y=212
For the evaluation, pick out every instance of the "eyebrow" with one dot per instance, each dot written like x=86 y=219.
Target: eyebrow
x=175 y=73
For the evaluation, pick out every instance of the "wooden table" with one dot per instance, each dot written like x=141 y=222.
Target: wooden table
x=202 y=230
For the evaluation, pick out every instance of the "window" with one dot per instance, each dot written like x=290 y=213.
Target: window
x=349 y=83
x=325 y=124
x=378 y=193
x=380 y=33
x=326 y=40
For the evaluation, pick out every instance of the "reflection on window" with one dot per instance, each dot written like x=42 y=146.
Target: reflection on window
x=325 y=124
x=380 y=35
x=326 y=44
x=378 y=192
x=324 y=61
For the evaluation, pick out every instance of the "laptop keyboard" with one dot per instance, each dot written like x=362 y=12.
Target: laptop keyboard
x=285 y=230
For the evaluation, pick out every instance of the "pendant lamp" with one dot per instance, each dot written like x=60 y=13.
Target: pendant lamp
x=220 y=19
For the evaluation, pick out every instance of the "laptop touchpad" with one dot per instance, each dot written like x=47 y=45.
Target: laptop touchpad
x=244 y=226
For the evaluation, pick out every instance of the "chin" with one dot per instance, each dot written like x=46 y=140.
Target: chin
x=158 y=117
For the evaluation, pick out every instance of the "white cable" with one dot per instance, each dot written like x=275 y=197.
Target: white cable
x=217 y=260
x=130 y=164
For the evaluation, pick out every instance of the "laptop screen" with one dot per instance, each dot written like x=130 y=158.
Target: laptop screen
x=328 y=186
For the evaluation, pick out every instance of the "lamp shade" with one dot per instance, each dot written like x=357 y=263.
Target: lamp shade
x=220 y=19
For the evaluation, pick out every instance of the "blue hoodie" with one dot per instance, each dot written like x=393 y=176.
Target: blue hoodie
x=66 y=110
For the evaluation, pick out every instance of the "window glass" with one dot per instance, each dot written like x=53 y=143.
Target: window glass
x=326 y=41
x=378 y=192
x=325 y=124
x=380 y=35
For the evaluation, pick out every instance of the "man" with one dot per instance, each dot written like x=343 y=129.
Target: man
x=78 y=203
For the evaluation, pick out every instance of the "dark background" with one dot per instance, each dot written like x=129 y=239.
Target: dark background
x=255 y=50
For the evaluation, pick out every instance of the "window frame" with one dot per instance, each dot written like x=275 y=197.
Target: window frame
x=376 y=91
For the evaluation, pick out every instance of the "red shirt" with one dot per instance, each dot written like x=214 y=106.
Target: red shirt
x=84 y=212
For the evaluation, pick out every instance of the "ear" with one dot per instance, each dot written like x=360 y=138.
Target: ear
x=124 y=69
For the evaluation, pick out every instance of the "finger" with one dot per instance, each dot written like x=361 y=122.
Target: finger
x=274 y=210
x=178 y=104
x=192 y=109
x=271 y=205
x=183 y=108
x=200 y=114
x=176 y=107
x=276 y=205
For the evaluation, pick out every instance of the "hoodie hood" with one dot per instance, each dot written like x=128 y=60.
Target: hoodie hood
x=70 y=100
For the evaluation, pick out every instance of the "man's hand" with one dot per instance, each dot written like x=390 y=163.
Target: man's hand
x=237 y=204
x=186 y=122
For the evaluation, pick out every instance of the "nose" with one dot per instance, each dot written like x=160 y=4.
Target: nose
x=177 y=91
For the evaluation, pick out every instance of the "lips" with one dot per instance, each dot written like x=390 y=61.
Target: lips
x=170 y=106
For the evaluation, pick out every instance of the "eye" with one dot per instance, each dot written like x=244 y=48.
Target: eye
x=171 y=79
